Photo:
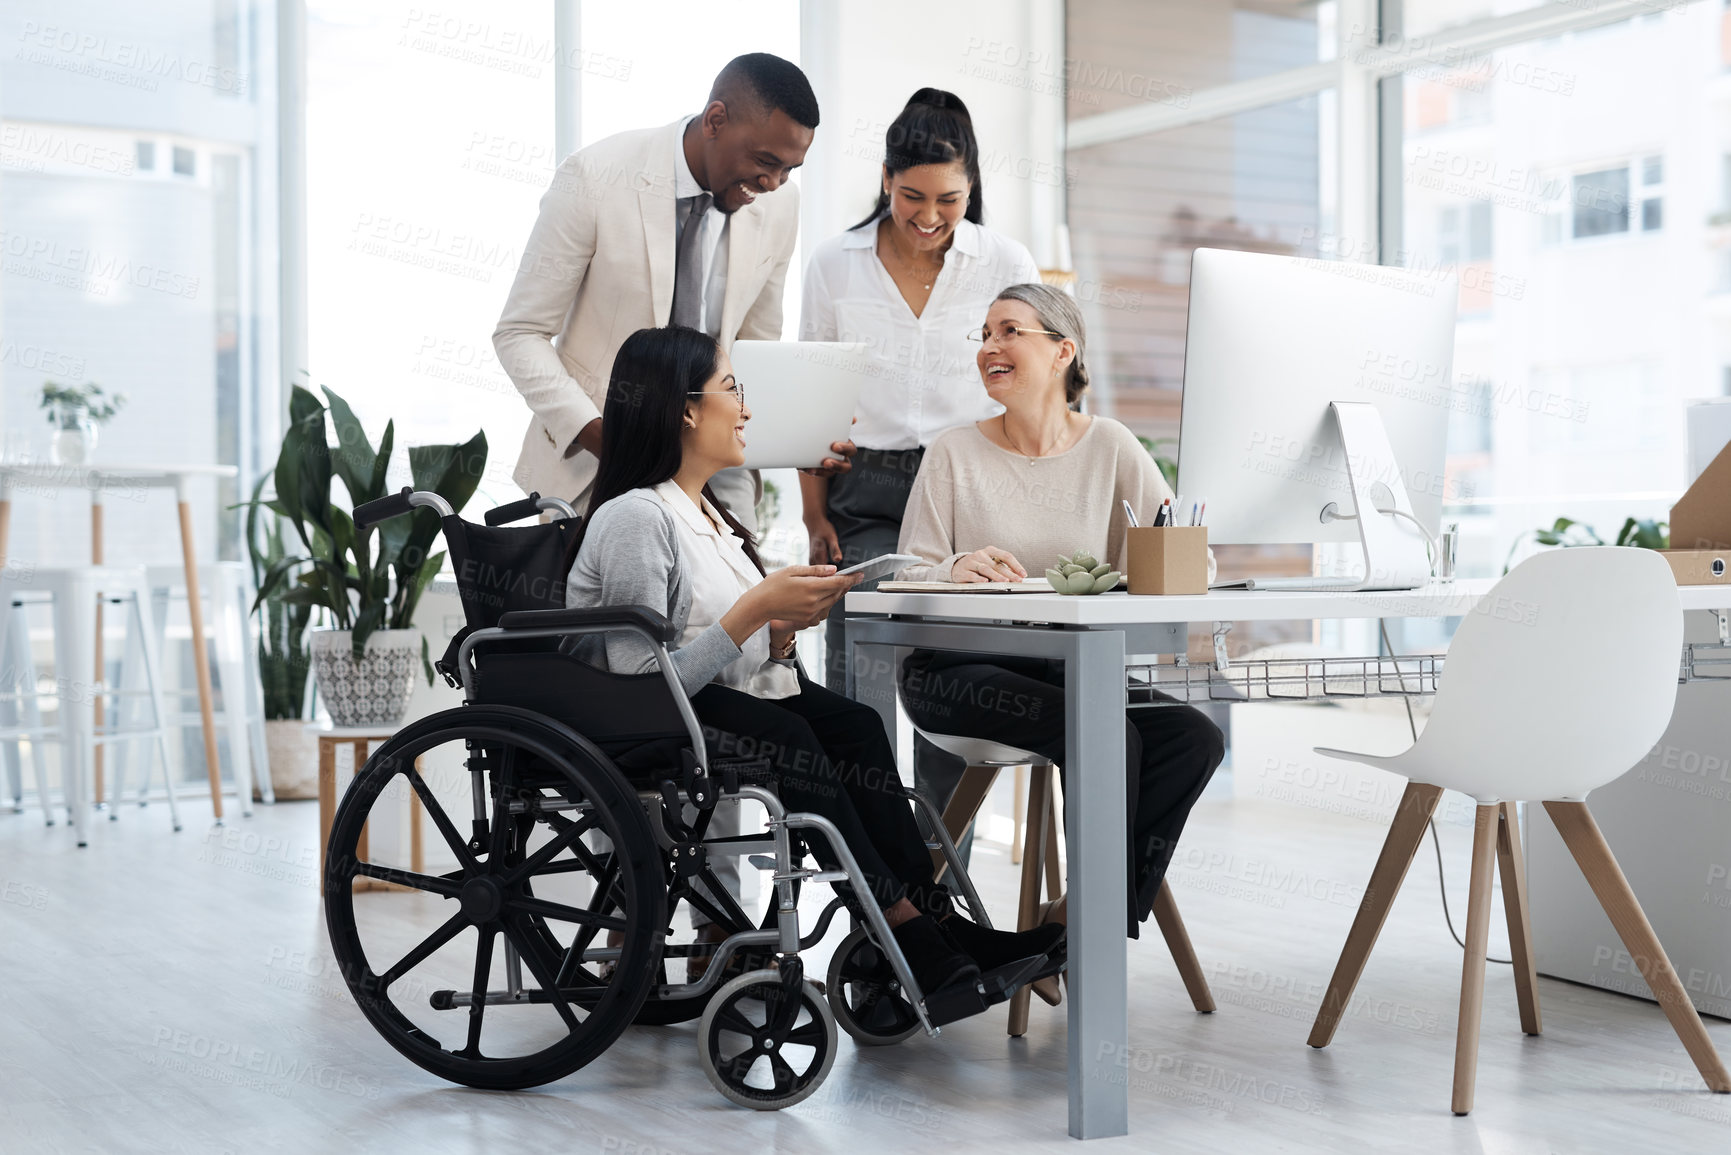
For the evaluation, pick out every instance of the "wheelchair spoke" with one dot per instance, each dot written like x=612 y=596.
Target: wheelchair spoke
x=586 y=935
x=785 y=1079
x=478 y=996
x=428 y=882
x=530 y=949
x=419 y=955
x=810 y=1035
x=526 y=904
x=535 y=862
x=455 y=841
x=730 y=1019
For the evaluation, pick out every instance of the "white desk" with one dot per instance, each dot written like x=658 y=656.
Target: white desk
x=96 y=478
x=1092 y=636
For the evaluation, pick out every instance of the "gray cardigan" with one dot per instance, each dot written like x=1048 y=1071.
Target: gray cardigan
x=630 y=556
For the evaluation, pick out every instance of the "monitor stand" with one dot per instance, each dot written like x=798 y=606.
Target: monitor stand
x=1394 y=545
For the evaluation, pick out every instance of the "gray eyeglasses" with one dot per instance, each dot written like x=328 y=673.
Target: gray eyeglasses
x=737 y=389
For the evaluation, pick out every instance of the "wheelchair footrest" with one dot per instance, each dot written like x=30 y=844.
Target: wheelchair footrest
x=964 y=1000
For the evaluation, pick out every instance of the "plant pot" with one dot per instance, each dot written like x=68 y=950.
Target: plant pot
x=373 y=691
x=73 y=443
x=293 y=749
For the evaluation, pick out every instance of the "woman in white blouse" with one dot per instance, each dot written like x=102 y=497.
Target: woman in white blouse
x=655 y=536
x=911 y=281
x=1000 y=499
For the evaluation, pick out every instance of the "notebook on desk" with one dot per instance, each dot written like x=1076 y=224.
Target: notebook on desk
x=1031 y=586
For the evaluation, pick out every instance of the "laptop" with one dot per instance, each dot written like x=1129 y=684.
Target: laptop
x=802 y=396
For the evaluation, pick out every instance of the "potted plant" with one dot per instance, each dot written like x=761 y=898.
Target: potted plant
x=368 y=581
x=76 y=412
x=283 y=660
x=1638 y=533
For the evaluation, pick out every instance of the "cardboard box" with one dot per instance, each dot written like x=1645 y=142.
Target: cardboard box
x=1700 y=552
x=1699 y=567
x=1168 y=559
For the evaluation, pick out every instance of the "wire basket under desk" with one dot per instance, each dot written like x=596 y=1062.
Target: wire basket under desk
x=1286 y=679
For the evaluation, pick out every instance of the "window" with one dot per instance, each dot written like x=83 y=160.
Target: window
x=1600 y=202
x=185 y=161
x=1652 y=194
x=145 y=155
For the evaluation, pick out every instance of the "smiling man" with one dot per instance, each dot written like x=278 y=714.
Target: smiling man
x=689 y=223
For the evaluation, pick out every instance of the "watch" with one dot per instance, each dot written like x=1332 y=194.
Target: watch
x=787 y=651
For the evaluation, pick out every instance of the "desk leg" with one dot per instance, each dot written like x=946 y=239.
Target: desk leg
x=871 y=680
x=5 y=520
x=1099 y=1037
x=97 y=792
x=327 y=800
x=201 y=662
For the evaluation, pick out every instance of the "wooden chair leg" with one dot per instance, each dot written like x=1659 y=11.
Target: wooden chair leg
x=1585 y=841
x=1178 y=942
x=1054 y=822
x=964 y=807
x=1417 y=803
x=1485 y=822
x=1021 y=815
x=1512 y=866
x=1033 y=850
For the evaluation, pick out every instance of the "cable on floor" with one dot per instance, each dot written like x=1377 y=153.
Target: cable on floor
x=1435 y=840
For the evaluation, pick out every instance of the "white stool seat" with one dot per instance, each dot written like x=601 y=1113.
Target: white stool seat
x=982 y=751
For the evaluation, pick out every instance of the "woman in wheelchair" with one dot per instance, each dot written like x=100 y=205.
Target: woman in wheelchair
x=675 y=416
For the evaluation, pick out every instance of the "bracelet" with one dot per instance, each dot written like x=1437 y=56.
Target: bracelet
x=786 y=652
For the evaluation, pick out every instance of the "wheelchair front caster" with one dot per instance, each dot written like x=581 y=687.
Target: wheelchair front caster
x=763 y=1046
x=866 y=997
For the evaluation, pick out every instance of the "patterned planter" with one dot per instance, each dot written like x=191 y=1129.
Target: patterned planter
x=294 y=759
x=373 y=691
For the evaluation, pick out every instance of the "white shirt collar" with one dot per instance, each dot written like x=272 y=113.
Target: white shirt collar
x=687 y=510
x=684 y=184
x=967 y=242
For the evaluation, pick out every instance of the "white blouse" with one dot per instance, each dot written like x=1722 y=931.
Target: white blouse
x=718 y=570
x=929 y=381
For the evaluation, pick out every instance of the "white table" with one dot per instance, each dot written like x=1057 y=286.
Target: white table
x=99 y=477
x=1092 y=636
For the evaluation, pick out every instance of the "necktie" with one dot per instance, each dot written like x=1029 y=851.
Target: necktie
x=688 y=275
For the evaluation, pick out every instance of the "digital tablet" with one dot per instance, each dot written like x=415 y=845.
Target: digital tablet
x=881 y=565
x=802 y=396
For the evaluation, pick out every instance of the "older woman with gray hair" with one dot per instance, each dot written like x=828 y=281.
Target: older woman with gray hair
x=1002 y=497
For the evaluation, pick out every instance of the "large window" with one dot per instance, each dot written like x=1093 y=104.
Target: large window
x=1547 y=155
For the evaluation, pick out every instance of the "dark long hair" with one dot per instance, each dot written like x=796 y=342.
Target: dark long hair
x=934 y=128
x=654 y=373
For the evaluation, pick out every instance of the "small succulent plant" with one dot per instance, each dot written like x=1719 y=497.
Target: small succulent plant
x=1082 y=573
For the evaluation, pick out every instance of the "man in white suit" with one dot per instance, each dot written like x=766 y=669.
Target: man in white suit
x=688 y=223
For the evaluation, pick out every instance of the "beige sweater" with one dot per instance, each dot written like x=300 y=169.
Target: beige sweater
x=971 y=494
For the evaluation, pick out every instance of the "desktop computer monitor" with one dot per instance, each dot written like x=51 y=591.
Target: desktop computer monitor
x=1283 y=355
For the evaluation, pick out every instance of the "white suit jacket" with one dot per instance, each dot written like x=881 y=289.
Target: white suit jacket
x=599 y=265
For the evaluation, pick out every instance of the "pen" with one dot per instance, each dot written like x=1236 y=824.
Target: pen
x=1202 y=513
x=1130 y=513
x=1164 y=514
x=1193 y=511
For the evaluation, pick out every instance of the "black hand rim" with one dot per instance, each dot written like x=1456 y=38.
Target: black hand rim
x=632 y=890
x=866 y=994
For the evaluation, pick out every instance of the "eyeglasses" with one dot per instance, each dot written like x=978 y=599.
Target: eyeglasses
x=1009 y=333
x=737 y=389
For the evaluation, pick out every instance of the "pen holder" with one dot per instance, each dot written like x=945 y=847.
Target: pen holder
x=1168 y=559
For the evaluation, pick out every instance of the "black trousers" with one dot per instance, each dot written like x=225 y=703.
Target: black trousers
x=866 y=505
x=830 y=756
x=1170 y=751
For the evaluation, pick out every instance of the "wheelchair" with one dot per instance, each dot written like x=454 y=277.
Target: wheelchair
x=590 y=797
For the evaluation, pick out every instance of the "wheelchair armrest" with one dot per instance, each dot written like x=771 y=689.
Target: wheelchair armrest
x=642 y=617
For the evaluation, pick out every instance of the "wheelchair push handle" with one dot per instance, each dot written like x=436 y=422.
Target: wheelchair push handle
x=399 y=503
x=528 y=507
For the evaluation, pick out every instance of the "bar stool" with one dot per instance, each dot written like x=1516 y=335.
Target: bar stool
x=74 y=593
x=227 y=589
x=1039 y=858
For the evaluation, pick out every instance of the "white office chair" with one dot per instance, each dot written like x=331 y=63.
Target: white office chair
x=1559 y=681
x=985 y=759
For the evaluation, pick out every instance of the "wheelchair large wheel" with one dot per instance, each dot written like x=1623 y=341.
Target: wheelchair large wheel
x=492 y=966
x=868 y=1000
x=763 y=1045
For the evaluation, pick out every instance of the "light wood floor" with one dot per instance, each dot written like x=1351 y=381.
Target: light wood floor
x=174 y=993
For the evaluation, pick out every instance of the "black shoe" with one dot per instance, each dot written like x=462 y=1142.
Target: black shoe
x=932 y=957
x=993 y=948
